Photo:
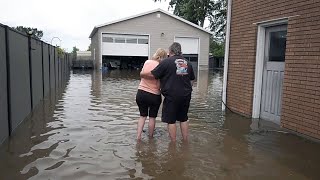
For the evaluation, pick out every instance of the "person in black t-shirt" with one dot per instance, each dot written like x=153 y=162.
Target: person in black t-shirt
x=176 y=76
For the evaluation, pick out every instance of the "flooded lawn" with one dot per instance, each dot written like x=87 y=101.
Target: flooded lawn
x=89 y=132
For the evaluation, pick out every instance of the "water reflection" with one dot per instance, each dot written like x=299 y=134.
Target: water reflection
x=88 y=132
x=203 y=81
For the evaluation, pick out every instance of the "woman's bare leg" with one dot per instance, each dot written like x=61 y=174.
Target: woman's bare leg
x=140 y=126
x=152 y=125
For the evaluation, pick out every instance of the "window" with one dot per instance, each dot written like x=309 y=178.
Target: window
x=143 y=41
x=132 y=41
x=277 y=46
x=120 y=40
x=107 y=39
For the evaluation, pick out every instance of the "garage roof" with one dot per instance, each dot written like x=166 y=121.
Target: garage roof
x=146 y=13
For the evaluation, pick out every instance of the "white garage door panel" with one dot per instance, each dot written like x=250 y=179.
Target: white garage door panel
x=125 y=49
x=188 y=45
x=124 y=45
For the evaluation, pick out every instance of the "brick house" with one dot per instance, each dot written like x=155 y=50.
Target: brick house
x=272 y=62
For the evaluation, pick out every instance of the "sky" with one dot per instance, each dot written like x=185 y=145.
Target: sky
x=71 y=20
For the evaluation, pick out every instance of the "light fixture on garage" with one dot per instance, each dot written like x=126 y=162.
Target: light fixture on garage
x=162 y=34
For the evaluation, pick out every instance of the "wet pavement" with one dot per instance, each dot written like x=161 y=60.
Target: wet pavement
x=88 y=132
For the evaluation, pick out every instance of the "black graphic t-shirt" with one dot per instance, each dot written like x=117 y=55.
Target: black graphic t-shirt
x=175 y=74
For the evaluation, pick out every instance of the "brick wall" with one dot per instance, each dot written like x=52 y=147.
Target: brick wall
x=301 y=90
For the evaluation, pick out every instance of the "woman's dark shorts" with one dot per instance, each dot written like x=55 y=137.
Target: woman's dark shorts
x=148 y=103
x=175 y=109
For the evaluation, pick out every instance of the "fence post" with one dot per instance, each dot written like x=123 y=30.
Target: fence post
x=30 y=70
x=54 y=70
x=49 y=54
x=42 y=70
x=8 y=78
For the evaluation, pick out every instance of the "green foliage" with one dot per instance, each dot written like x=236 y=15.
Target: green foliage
x=26 y=30
x=74 y=50
x=216 y=48
x=218 y=19
x=89 y=48
x=197 y=11
x=61 y=52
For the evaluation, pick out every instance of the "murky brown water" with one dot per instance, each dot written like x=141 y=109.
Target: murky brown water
x=89 y=133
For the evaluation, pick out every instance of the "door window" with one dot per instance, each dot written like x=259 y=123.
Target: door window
x=277 y=47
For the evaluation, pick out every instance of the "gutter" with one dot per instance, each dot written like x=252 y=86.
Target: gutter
x=226 y=57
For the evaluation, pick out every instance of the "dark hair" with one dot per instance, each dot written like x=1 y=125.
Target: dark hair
x=175 y=48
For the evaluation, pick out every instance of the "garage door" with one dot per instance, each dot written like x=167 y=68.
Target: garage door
x=188 y=45
x=125 y=45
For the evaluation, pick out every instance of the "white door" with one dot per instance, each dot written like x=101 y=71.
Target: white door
x=189 y=45
x=273 y=73
x=125 y=45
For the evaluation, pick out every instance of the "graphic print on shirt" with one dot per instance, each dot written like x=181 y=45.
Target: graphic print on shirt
x=182 y=67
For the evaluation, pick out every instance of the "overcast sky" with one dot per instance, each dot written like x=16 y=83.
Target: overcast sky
x=70 y=20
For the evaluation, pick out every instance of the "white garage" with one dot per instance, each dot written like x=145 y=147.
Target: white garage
x=130 y=41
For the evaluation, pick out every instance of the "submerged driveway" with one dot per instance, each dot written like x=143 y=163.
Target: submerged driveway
x=89 y=132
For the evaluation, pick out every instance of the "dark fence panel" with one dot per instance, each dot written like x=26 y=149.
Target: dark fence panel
x=52 y=71
x=36 y=64
x=56 y=60
x=4 y=127
x=46 y=70
x=20 y=97
x=63 y=70
x=59 y=70
x=66 y=65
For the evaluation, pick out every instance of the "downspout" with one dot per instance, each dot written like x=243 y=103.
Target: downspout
x=226 y=57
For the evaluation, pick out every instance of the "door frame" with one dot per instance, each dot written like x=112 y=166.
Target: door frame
x=260 y=50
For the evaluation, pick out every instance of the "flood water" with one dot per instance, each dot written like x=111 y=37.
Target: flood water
x=88 y=132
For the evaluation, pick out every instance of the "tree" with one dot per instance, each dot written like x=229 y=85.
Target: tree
x=218 y=19
x=74 y=51
x=216 y=48
x=25 y=30
x=89 y=48
x=61 y=52
x=197 y=11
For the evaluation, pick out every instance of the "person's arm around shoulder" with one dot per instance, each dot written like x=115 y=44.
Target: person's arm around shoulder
x=159 y=71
